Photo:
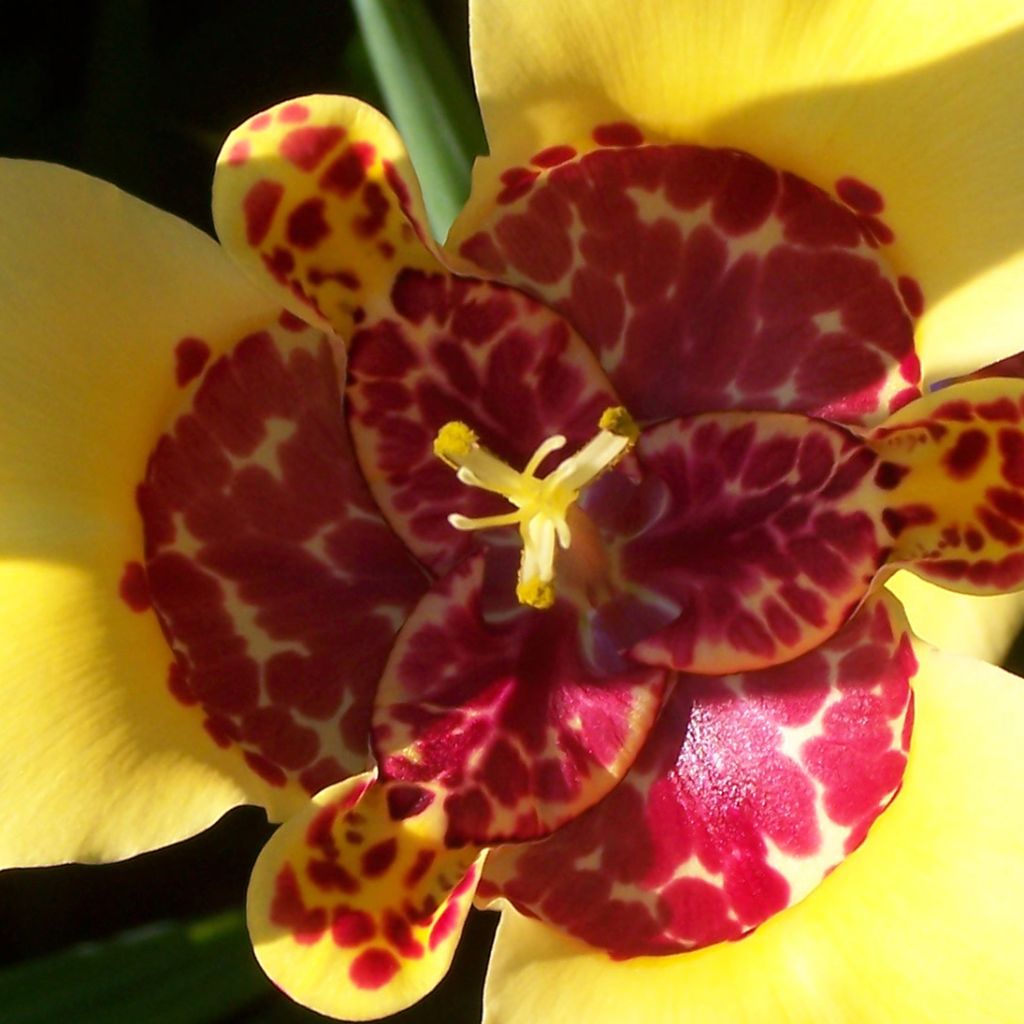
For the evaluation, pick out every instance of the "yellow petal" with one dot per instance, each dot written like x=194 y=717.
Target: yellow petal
x=356 y=904
x=317 y=197
x=952 y=474
x=981 y=626
x=922 y=923
x=922 y=105
x=99 y=761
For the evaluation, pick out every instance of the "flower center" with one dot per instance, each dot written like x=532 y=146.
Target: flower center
x=542 y=504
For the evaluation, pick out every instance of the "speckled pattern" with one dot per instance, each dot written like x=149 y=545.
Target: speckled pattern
x=716 y=705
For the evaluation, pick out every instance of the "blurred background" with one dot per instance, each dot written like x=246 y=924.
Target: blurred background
x=142 y=94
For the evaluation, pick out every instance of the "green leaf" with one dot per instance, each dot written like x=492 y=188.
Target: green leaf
x=167 y=973
x=429 y=101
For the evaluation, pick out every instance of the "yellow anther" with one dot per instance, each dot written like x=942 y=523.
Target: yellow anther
x=616 y=420
x=454 y=442
x=542 y=504
x=535 y=593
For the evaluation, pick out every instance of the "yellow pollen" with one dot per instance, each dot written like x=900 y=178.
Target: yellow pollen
x=535 y=594
x=454 y=441
x=617 y=420
x=541 y=504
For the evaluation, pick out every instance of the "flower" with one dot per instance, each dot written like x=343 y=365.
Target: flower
x=663 y=684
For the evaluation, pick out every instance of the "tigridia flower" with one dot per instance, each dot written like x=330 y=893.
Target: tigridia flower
x=548 y=566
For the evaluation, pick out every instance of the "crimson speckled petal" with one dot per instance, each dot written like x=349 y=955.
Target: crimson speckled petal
x=358 y=898
x=768 y=537
x=317 y=199
x=705 y=279
x=452 y=349
x=279 y=586
x=505 y=711
x=954 y=469
x=750 y=790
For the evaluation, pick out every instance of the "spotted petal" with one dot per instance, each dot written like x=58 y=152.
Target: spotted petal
x=506 y=713
x=916 y=115
x=750 y=790
x=317 y=197
x=767 y=538
x=703 y=278
x=984 y=626
x=449 y=349
x=279 y=587
x=356 y=905
x=922 y=923
x=953 y=464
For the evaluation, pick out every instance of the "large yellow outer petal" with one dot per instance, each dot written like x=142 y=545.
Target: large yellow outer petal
x=923 y=923
x=99 y=761
x=921 y=101
x=978 y=626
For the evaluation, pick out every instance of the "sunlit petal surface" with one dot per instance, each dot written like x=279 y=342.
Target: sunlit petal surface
x=914 y=113
x=356 y=904
x=317 y=197
x=873 y=941
x=954 y=467
x=750 y=790
x=978 y=626
x=96 y=340
x=767 y=542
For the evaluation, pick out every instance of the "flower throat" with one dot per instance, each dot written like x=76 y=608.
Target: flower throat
x=542 y=504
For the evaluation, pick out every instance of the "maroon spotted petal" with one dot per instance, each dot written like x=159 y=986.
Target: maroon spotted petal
x=506 y=711
x=705 y=279
x=765 y=542
x=462 y=350
x=279 y=586
x=749 y=791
